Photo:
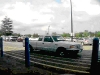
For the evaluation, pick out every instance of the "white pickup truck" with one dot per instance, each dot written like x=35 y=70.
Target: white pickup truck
x=55 y=44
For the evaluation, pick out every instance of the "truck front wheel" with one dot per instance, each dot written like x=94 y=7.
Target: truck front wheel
x=61 y=52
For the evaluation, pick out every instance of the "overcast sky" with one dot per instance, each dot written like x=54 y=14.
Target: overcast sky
x=36 y=16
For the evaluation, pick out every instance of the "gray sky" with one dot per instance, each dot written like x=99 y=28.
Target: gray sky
x=35 y=16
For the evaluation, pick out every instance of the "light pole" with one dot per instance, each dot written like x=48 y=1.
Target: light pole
x=48 y=29
x=71 y=22
x=24 y=32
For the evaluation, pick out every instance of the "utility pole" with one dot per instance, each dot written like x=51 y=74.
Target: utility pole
x=71 y=22
x=48 y=29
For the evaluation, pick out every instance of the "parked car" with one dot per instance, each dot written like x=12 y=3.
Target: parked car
x=81 y=40
x=88 y=41
x=55 y=44
x=20 y=39
x=69 y=39
x=85 y=41
x=13 y=38
x=33 y=38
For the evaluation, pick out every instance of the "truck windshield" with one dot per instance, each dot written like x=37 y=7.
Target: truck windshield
x=58 y=38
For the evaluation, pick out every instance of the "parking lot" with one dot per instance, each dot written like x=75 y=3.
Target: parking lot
x=18 y=46
x=7 y=46
x=16 y=50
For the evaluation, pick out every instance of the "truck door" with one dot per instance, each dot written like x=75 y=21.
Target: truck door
x=39 y=44
x=48 y=44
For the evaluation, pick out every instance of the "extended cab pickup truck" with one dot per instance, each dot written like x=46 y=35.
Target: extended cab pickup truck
x=55 y=44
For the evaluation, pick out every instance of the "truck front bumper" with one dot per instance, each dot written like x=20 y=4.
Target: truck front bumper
x=74 y=51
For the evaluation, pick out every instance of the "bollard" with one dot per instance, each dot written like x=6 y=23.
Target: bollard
x=1 y=46
x=27 y=53
x=94 y=60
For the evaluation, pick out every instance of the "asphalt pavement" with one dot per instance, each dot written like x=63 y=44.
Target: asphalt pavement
x=15 y=46
x=19 y=46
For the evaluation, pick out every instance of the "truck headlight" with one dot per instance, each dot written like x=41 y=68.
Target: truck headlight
x=72 y=46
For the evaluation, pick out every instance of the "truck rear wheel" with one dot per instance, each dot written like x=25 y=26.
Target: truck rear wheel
x=31 y=48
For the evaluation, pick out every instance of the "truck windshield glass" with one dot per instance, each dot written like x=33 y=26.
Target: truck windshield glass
x=58 y=38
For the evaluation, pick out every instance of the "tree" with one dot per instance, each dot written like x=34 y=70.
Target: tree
x=66 y=35
x=97 y=33
x=92 y=34
x=77 y=35
x=16 y=34
x=35 y=35
x=81 y=34
x=6 y=26
x=86 y=33
x=28 y=35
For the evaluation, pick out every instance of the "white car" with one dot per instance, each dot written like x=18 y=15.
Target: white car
x=33 y=38
x=13 y=38
x=30 y=39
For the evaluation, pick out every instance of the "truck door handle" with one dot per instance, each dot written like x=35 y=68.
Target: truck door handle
x=42 y=43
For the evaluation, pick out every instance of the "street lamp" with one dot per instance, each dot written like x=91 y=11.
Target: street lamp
x=48 y=29
x=71 y=22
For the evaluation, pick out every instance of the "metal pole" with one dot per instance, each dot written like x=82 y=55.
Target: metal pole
x=94 y=60
x=48 y=29
x=71 y=22
x=1 y=46
x=27 y=53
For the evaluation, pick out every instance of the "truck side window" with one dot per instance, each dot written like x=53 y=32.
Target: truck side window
x=40 y=39
x=48 y=39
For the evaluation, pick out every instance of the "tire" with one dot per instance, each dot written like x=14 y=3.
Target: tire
x=61 y=52
x=90 y=44
x=31 y=48
x=75 y=53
